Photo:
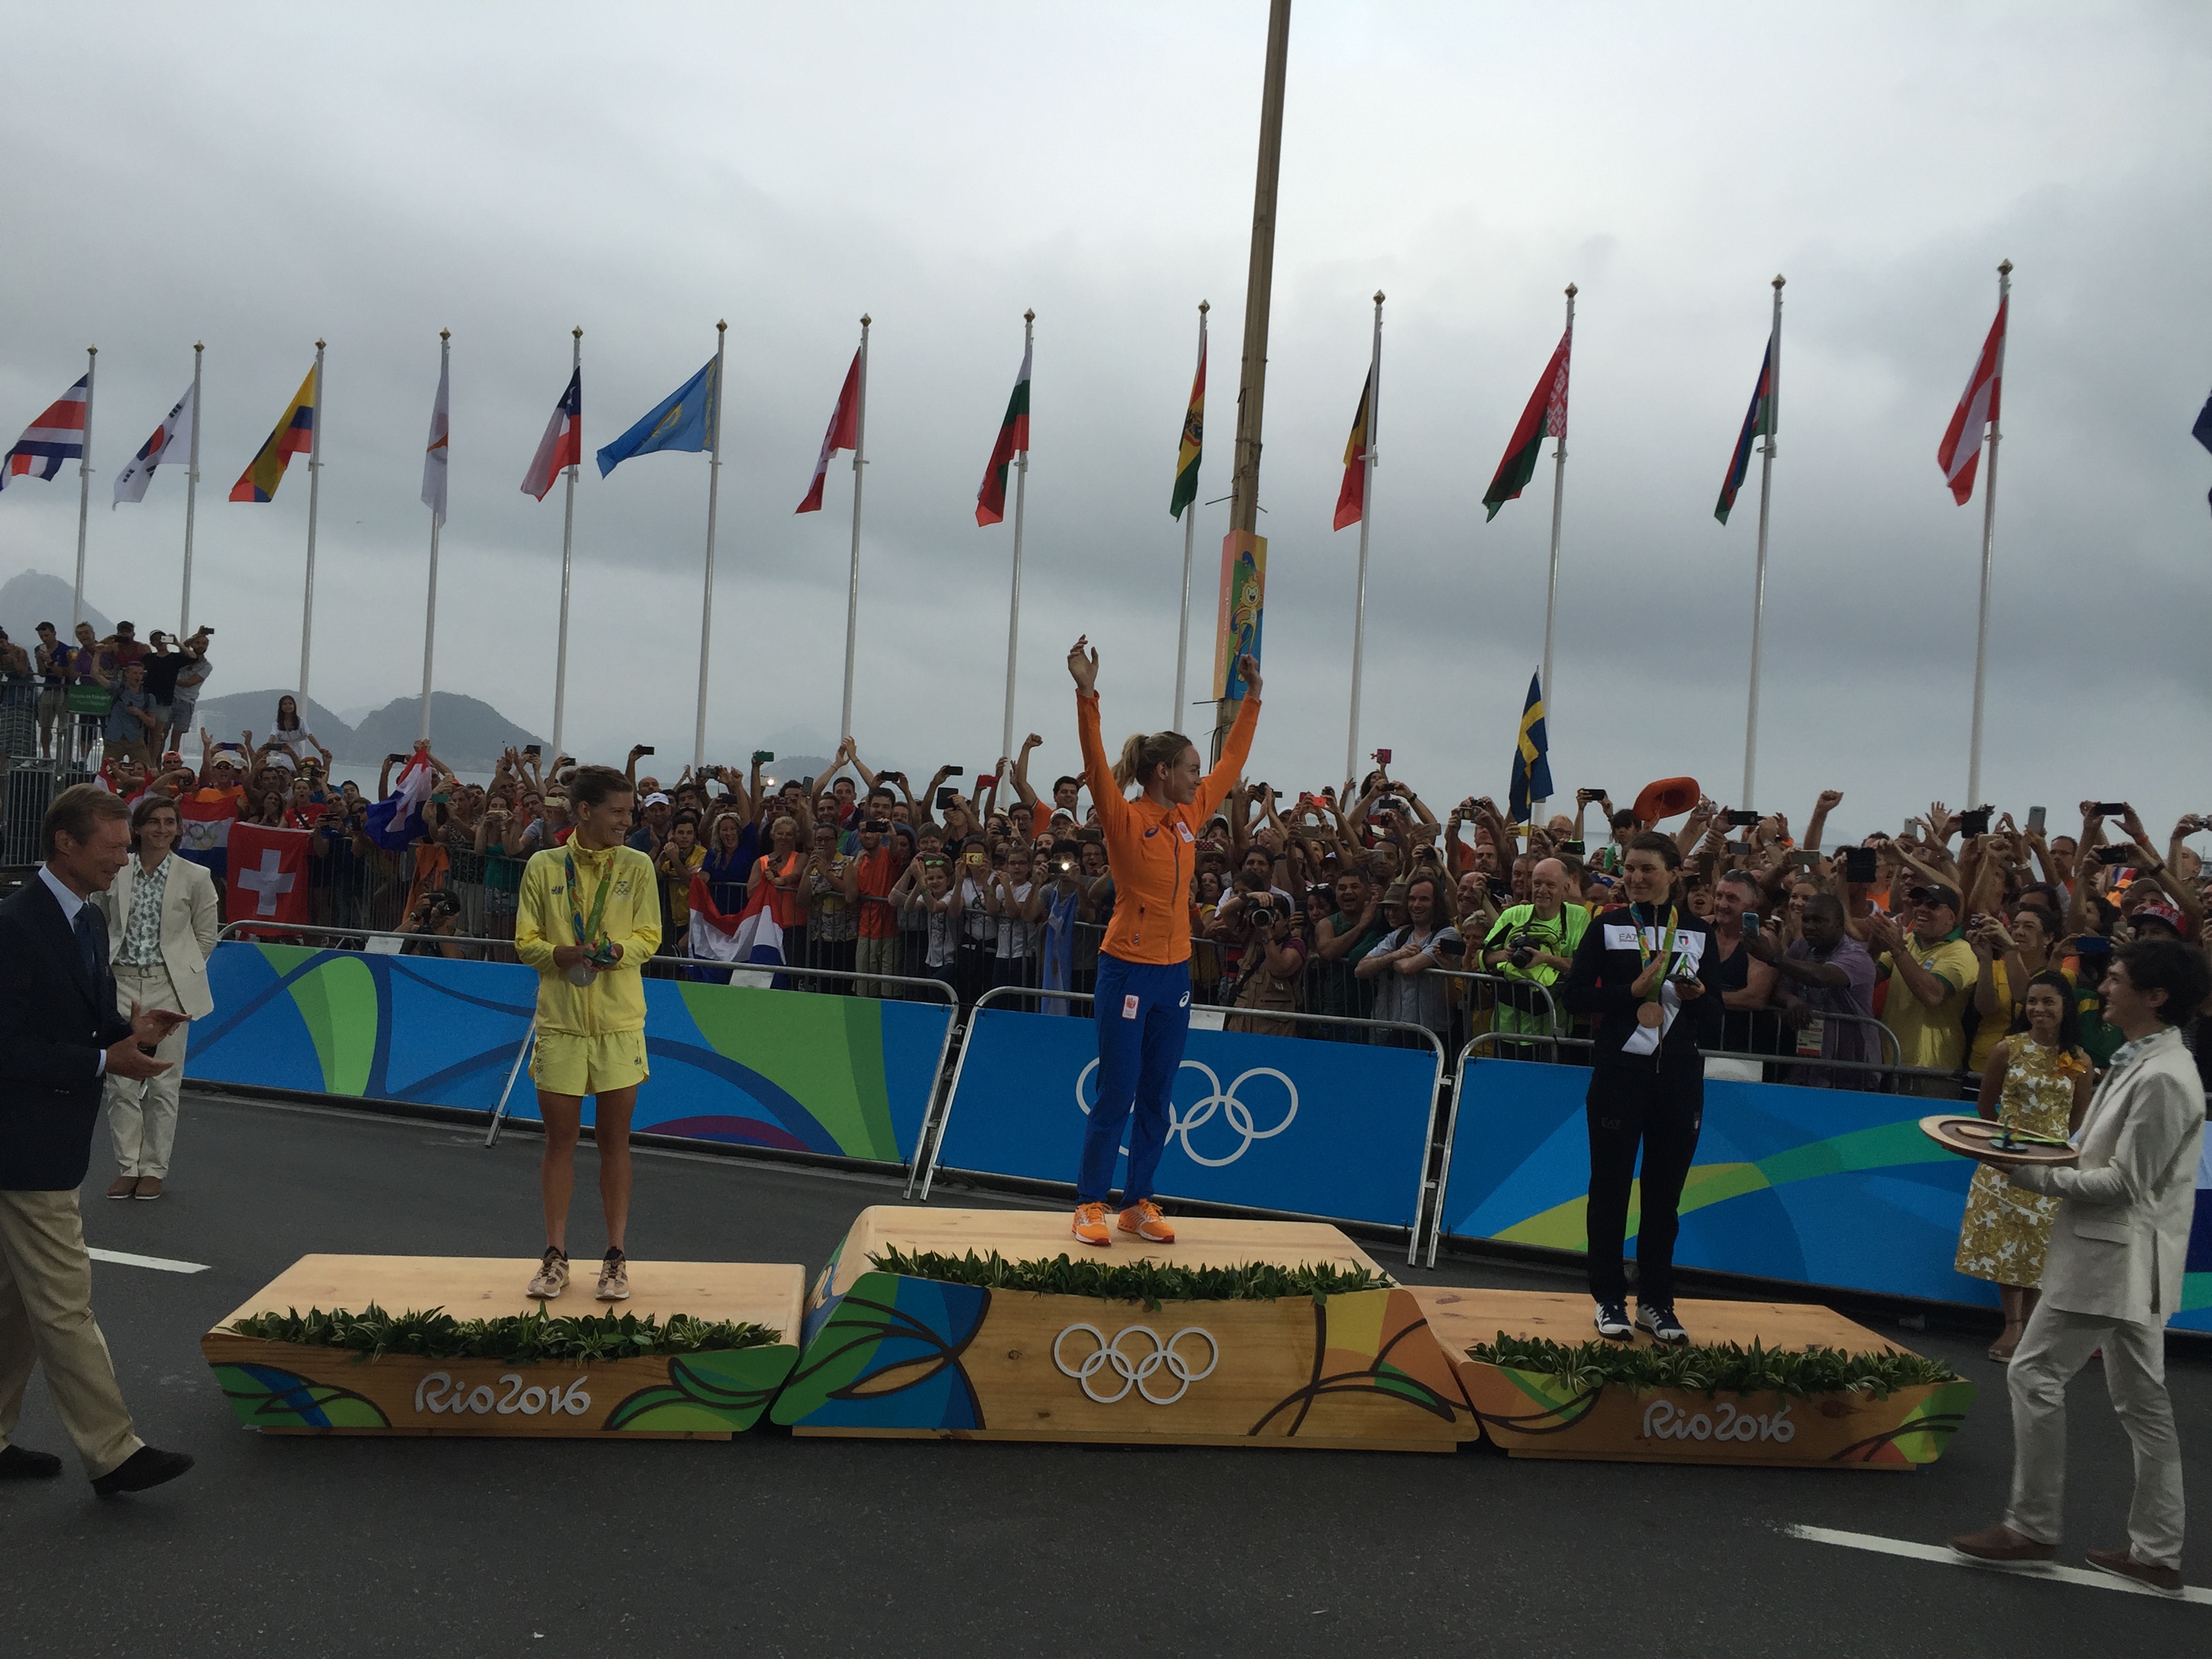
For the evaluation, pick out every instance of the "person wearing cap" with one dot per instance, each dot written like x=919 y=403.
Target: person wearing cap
x=1931 y=970
x=653 y=812
x=192 y=672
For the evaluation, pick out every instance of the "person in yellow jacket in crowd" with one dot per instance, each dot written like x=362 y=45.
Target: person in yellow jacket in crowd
x=1143 y=1001
x=587 y=919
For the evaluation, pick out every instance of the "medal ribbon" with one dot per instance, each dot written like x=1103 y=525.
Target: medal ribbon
x=1666 y=945
x=587 y=932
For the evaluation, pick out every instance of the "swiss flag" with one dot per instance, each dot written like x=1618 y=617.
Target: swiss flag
x=268 y=874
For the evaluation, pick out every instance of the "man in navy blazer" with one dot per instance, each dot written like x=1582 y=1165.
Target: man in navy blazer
x=60 y=1035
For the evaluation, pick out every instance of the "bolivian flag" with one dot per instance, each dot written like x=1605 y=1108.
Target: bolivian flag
x=1193 y=443
x=295 y=436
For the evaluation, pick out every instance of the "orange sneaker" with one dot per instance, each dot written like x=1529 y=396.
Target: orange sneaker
x=1144 y=1218
x=1091 y=1224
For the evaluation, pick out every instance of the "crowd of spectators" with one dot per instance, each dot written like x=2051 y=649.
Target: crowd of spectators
x=95 y=699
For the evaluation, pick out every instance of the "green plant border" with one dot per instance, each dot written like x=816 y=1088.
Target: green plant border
x=1720 y=1368
x=1149 y=1282
x=537 y=1338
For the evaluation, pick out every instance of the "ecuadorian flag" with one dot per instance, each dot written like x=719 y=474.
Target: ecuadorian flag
x=1531 y=764
x=295 y=436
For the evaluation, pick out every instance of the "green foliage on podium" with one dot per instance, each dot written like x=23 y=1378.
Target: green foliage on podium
x=513 y=1339
x=1149 y=1282
x=1722 y=1368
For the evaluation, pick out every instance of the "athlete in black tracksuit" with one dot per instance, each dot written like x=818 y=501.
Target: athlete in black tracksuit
x=1657 y=1099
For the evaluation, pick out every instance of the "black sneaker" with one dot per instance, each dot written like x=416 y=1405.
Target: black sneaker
x=1658 y=1318
x=1613 y=1322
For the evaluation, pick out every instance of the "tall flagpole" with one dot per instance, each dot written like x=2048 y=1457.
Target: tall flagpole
x=192 y=495
x=1190 y=532
x=1989 y=547
x=84 y=484
x=437 y=520
x=567 y=546
x=314 y=492
x=706 y=598
x=853 y=593
x=1014 y=608
x=1759 y=586
x=1366 y=518
x=1551 y=591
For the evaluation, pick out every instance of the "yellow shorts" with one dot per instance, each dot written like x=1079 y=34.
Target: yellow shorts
x=567 y=1063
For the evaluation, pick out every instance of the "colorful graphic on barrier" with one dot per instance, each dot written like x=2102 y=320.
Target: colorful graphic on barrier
x=2196 y=1313
x=844 y=1076
x=887 y=1354
x=1336 y=1129
x=1822 y=1186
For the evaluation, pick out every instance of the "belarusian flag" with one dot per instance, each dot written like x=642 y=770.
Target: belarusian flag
x=1351 y=495
x=1014 y=435
x=1546 y=417
x=1193 y=443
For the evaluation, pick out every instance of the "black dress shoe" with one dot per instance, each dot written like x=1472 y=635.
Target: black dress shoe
x=20 y=1463
x=150 y=1466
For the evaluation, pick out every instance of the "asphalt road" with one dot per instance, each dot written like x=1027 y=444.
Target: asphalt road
x=769 y=1545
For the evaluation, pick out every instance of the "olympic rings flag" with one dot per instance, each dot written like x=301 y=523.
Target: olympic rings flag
x=1138 y=1372
x=1294 y=1124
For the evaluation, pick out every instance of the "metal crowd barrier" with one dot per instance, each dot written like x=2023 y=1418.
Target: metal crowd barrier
x=248 y=931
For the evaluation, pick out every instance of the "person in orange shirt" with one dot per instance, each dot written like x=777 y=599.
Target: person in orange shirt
x=1143 y=999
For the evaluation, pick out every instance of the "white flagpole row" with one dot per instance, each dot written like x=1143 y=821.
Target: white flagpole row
x=567 y=547
x=1190 y=543
x=191 y=497
x=1014 y=605
x=1551 y=590
x=853 y=591
x=314 y=494
x=1989 y=548
x=437 y=521
x=83 y=485
x=706 y=598
x=1366 y=518
x=1758 y=585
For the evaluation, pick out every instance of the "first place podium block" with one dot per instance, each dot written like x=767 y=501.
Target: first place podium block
x=896 y=1354
x=296 y=1388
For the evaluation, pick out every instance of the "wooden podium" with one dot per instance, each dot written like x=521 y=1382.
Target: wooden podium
x=283 y=1388
x=890 y=1354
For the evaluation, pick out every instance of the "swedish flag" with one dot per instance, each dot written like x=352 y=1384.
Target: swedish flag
x=1532 y=764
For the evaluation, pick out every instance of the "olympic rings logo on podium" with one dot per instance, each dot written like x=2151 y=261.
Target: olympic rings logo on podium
x=1137 y=1372
x=1182 y=1121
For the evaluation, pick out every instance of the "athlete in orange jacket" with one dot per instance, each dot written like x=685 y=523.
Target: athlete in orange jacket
x=1143 y=997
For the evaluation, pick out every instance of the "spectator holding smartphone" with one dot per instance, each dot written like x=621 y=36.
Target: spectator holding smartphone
x=1929 y=966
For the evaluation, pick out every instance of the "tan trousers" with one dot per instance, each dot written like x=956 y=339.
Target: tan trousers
x=2054 y=1347
x=141 y=1112
x=46 y=1319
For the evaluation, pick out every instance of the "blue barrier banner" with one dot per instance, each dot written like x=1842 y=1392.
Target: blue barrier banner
x=1820 y=1186
x=1334 y=1129
x=850 y=1076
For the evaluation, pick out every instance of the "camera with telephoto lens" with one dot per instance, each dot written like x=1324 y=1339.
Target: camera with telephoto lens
x=1521 y=949
x=1262 y=914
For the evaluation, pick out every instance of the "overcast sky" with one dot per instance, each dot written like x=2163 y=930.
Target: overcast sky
x=257 y=176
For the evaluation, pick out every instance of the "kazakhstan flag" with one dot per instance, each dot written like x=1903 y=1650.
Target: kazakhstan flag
x=1532 y=761
x=688 y=418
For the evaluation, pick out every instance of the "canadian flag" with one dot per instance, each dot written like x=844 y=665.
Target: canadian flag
x=1962 y=450
x=844 y=433
x=268 y=874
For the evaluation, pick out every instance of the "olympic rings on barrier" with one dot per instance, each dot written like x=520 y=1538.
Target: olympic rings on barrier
x=1182 y=1121
x=1134 y=1374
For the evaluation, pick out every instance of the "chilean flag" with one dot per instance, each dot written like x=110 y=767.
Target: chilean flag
x=751 y=936
x=268 y=874
x=206 y=833
x=844 y=433
x=563 y=445
x=1961 y=449
x=56 y=436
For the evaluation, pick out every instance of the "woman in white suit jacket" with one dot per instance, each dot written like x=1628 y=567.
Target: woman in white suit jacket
x=161 y=927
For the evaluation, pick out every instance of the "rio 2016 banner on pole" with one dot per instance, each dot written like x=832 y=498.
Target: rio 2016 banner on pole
x=1331 y=1129
x=1242 y=614
x=848 y=1077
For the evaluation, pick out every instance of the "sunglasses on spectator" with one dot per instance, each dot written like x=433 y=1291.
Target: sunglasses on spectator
x=1930 y=897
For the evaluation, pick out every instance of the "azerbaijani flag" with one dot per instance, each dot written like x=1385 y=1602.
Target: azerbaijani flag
x=1352 y=496
x=1014 y=435
x=1546 y=417
x=1760 y=418
x=295 y=436
x=1194 y=444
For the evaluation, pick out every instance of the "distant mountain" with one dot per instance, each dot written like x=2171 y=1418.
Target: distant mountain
x=225 y=717
x=32 y=597
x=467 y=734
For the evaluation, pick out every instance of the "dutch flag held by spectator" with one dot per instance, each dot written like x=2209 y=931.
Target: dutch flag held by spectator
x=396 y=820
x=205 y=837
x=750 y=936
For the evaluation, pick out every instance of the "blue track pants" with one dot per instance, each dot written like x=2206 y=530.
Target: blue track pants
x=1143 y=1019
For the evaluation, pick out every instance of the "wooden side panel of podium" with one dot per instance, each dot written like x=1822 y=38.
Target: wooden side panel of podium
x=887 y=1354
x=283 y=1388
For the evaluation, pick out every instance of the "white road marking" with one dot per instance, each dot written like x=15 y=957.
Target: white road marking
x=1950 y=1557
x=159 y=1263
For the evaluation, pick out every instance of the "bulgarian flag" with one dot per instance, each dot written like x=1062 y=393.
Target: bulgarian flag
x=1546 y=417
x=1352 y=496
x=1193 y=443
x=295 y=434
x=1014 y=435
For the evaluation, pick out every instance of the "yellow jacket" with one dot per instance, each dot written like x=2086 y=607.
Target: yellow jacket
x=544 y=921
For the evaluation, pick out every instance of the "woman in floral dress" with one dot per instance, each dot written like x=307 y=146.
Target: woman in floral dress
x=2037 y=1079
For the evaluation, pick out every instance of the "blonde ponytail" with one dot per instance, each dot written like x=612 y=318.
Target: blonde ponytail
x=1141 y=753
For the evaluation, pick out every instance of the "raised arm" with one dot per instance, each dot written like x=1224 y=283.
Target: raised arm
x=1214 y=788
x=1021 y=778
x=1106 y=797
